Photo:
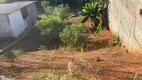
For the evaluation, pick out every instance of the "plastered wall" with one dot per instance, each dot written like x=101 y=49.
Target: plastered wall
x=5 y=30
x=125 y=20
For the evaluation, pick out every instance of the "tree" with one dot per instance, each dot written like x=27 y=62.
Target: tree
x=95 y=10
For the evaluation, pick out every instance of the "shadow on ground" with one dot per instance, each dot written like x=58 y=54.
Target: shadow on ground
x=34 y=40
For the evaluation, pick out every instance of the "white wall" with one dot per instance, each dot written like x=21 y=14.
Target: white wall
x=12 y=25
x=16 y=23
x=5 y=29
x=32 y=11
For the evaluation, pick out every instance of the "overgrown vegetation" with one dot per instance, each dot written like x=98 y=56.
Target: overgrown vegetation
x=50 y=25
x=53 y=23
x=60 y=11
x=72 y=34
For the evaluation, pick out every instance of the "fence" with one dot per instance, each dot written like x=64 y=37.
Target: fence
x=125 y=20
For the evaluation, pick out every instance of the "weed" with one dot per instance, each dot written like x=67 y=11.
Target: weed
x=79 y=77
x=62 y=48
x=72 y=67
x=42 y=47
x=81 y=48
x=114 y=41
x=83 y=57
x=50 y=76
x=14 y=53
x=99 y=67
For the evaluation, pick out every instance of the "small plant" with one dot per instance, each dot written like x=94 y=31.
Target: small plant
x=17 y=52
x=50 y=25
x=72 y=67
x=13 y=53
x=99 y=67
x=72 y=34
x=81 y=48
x=42 y=47
x=50 y=76
x=114 y=41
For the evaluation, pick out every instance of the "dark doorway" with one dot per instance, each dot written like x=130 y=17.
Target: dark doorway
x=24 y=12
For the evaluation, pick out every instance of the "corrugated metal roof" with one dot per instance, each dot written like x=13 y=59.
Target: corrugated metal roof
x=9 y=8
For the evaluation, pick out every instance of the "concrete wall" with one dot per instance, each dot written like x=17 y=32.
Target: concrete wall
x=125 y=21
x=32 y=11
x=5 y=29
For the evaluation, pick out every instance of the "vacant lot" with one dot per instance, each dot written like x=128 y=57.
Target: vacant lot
x=101 y=61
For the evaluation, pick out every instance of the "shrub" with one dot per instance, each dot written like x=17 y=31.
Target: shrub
x=44 y=3
x=50 y=25
x=60 y=11
x=72 y=34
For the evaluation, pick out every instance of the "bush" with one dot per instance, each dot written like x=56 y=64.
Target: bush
x=60 y=11
x=72 y=34
x=50 y=25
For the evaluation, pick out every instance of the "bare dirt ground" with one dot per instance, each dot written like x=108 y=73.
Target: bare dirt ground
x=100 y=62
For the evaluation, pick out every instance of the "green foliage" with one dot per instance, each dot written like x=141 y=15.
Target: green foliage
x=95 y=11
x=14 y=53
x=42 y=47
x=17 y=52
x=72 y=34
x=2 y=1
x=51 y=77
x=60 y=11
x=44 y=3
x=114 y=41
x=50 y=25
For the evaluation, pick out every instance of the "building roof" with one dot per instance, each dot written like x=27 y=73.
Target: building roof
x=11 y=7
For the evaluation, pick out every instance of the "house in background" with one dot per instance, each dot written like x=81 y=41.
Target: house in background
x=16 y=17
